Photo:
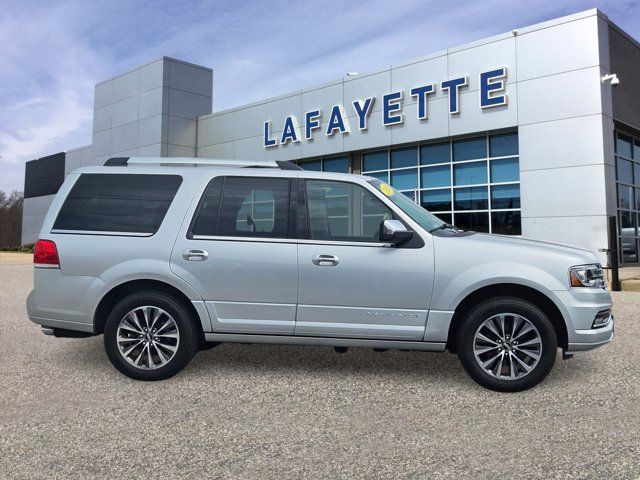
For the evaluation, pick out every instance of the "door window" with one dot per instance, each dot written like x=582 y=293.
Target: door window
x=340 y=211
x=244 y=207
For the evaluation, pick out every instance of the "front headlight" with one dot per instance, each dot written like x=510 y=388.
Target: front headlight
x=587 y=276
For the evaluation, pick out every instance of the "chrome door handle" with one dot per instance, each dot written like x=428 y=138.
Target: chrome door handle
x=325 y=260
x=195 y=255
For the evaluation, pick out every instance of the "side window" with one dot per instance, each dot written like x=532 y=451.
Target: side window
x=344 y=212
x=244 y=207
x=118 y=203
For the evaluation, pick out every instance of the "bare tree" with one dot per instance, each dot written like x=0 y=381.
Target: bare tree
x=11 y=219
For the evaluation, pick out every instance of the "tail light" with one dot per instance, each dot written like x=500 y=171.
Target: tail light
x=45 y=254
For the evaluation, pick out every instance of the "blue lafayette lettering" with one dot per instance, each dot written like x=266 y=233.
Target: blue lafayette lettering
x=491 y=92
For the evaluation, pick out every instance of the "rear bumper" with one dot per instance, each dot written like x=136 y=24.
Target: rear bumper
x=43 y=318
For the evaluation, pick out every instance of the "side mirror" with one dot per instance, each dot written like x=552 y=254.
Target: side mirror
x=394 y=231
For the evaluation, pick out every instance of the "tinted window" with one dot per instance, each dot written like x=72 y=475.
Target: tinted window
x=404 y=179
x=475 y=198
x=404 y=157
x=504 y=144
x=625 y=171
x=506 y=170
x=375 y=161
x=118 y=203
x=206 y=219
x=434 y=200
x=439 y=176
x=314 y=165
x=505 y=196
x=336 y=164
x=470 y=149
x=344 y=212
x=254 y=207
x=623 y=146
x=506 y=223
x=435 y=153
x=470 y=173
x=475 y=221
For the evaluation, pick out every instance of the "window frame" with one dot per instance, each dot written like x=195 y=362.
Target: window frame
x=115 y=233
x=292 y=211
x=416 y=241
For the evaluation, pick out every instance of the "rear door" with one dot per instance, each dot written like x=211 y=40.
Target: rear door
x=351 y=284
x=240 y=252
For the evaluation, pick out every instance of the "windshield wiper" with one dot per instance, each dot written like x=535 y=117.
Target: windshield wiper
x=443 y=227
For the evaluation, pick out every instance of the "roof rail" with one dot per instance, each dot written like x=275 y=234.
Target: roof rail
x=199 y=162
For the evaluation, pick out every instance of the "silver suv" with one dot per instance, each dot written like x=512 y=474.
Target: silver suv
x=166 y=256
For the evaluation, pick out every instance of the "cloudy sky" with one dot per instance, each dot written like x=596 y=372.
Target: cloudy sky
x=53 y=53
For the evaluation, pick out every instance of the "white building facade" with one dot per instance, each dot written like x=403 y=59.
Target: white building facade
x=515 y=134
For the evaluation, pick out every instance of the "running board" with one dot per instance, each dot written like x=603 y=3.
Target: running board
x=324 y=341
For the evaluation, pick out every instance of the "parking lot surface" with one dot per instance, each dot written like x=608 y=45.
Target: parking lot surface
x=255 y=411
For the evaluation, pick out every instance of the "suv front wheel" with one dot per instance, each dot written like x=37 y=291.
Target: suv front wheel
x=150 y=336
x=507 y=344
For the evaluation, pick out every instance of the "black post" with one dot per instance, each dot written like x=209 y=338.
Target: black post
x=613 y=254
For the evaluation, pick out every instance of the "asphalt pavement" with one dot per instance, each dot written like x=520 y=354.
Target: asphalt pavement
x=259 y=411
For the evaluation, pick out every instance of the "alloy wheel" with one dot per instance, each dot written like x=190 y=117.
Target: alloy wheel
x=148 y=337
x=507 y=346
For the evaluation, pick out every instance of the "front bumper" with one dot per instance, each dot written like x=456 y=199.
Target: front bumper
x=581 y=307
x=592 y=338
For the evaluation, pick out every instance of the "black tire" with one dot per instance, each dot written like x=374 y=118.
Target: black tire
x=487 y=309
x=187 y=346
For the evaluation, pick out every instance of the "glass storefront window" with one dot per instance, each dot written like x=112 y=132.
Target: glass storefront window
x=404 y=157
x=405 y=179
x=435 y=153
x=503 y=145
x=476 y=221
x=470 y=173
x=336 y=164
x=445 y=217
x=473 y=198
x=384 y=176
x=506 y=223
x=623 y=146
x=505 y=170
x=314 y=165
x=439 y=176
x=625 y=197
x=624 y=171
x=437 y=200
x=458 y=188
x=505 y=196
x=628 y=195
x=470 y=149
x=375 y=161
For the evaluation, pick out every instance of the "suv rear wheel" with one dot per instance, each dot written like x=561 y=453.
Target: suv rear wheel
x=507 y=344
x=150 y=336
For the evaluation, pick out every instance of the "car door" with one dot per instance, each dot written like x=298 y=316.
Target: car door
x=352 y=285
x=239 y=252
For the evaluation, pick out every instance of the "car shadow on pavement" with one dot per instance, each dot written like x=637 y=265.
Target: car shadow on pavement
x=294 y=359
x=258 y=359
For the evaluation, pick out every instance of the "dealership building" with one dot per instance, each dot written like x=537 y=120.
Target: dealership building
x=525 y=133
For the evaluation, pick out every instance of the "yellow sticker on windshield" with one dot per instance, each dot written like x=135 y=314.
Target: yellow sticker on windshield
x=386 y=189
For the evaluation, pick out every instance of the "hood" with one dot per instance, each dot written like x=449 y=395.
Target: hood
x=523 y=249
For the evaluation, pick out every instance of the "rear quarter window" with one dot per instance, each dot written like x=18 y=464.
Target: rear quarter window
x=117 y=203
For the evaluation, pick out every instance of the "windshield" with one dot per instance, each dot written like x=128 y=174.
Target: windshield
x=422 y=217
